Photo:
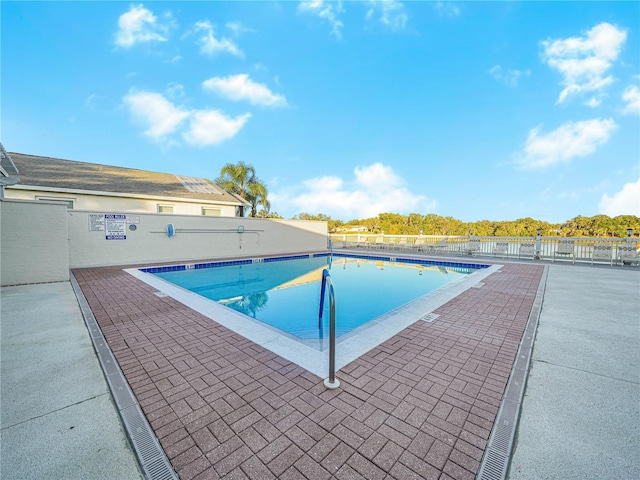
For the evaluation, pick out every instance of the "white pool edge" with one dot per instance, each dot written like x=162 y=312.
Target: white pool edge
x=353 y=345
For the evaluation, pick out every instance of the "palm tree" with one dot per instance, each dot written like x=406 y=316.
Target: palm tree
x=258 y=196
x=241 y=179
x=266 y=208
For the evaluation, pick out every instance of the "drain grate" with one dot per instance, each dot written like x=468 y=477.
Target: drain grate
x=159 y=469
x=478 y=285
x=493 y=467
x=143 y=440
x=160 y=294
x=430 y=317
x=121 y=391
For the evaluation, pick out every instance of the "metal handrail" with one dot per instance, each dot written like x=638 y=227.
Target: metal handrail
x=332 y=382
x=325 y=274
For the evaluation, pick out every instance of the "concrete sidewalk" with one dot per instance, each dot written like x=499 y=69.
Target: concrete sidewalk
x=57 y=416
x=581 y=411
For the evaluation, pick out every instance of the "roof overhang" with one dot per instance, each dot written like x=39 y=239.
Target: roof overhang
x=72 y=191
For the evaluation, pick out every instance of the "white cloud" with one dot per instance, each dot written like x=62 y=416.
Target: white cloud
x=211 y=45
x=447 y=9
x=161 y=117
x=139 y=25
x=584 y=61
x=238 y=28
x=241 y=87
x=571 y=140
x=211 y=127
x=91 y=100
x=175 y=91
x=624 y=202
x=375 y=189
x=325 y=11
x=509 y=77
x=568 y=196
x=593 y=102
x=392 y=13
x=631 y=95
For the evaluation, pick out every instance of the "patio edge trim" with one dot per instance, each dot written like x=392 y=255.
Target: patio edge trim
x=149 y=453
x=497 y=454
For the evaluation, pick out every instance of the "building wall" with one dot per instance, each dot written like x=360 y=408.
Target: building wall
x=34 y=243
x=196 y=238
x=121 y=204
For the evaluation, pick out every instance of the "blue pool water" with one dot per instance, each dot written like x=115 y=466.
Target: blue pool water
x=286 y=294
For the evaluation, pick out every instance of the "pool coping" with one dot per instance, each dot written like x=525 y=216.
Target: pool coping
x=353 y=345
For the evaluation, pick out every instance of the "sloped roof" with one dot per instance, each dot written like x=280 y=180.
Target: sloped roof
x=52 y=173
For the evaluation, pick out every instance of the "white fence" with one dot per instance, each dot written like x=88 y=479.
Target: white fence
x=544 y=247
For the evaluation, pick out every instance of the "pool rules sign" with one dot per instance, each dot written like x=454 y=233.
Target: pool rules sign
x=115 y=227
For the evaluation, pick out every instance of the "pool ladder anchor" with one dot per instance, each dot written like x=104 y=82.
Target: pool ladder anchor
x=332 y=382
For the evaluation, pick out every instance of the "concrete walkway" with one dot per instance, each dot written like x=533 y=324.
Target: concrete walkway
x=581 y=412
x=57 y=416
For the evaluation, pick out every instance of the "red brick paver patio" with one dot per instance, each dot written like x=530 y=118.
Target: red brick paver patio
x=421 y=405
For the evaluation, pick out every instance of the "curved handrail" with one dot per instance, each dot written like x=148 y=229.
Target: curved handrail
x=330 y=382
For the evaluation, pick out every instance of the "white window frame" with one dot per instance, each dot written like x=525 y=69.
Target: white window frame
x=213 y=209
x=165 y=205
x=70 y=202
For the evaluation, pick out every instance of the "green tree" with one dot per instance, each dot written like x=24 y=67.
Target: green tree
x=241 y=180
x=332 y=225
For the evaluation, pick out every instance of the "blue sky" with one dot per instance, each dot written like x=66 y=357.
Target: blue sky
x=475 y=110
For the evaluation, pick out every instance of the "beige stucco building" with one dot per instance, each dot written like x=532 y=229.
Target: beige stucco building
x=89 y=186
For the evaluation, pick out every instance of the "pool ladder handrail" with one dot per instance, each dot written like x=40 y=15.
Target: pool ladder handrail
x=332 y=382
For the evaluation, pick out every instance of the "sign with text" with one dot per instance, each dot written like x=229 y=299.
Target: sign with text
x=115 y=227
x=96 y=222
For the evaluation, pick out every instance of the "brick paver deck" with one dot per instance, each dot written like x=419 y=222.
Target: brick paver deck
x=421 y=405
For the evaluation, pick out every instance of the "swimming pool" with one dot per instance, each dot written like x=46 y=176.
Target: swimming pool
x=286 y=294
x=305 y=346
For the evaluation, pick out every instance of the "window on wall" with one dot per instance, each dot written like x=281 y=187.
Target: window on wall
x=212 y=212
x=165 y=208
x=69 y=202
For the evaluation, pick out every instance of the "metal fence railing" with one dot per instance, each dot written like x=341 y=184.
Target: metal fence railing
x=545 y=248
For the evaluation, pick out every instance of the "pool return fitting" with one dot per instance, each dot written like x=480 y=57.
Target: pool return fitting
x=332 y=382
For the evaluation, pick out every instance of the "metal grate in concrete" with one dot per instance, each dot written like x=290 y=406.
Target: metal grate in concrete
x=497 y=455
x=430 y=317
x=143 y=439
x=121 y=392
x=493 y=467
x=160 y=294
x=159 y=469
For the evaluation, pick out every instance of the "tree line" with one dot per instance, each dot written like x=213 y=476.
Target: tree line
x=241 y=180
x=431 y=224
